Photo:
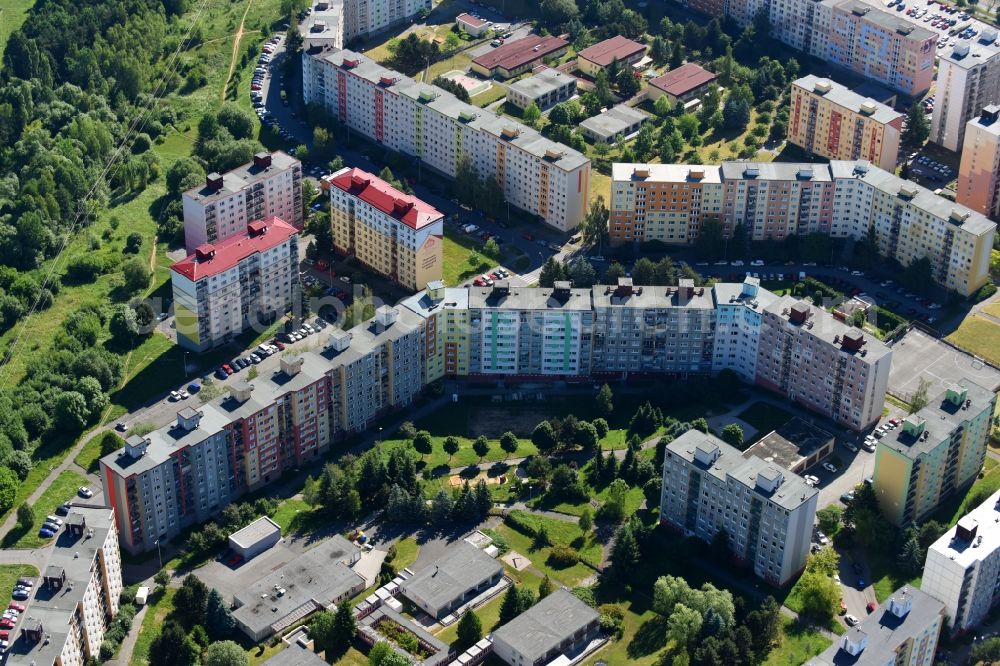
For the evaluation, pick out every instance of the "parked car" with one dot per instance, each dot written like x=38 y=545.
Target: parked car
x=871 y=607
x=63 y=509
x=20 y=594
x=843 y=607
x=851 y=620
x=830 y=467
x=85 y=492
x=121 y=426
x=46 y=533
x=822 y=538
x=53 y=519
x=850 y=447
x=847 y=497
x=174 y=396
x=16 y=606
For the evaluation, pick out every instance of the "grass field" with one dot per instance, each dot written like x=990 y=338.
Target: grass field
x=489 y=616
x=90 y=454
x=159 y=606
x=978 y=336
x=12 y=15
x=63 y=488
x=798 y=644
x=9 y=573
x=407 y=551
x=458 y=249
x=466 y=455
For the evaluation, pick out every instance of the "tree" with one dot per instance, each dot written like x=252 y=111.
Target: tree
x=736 y=112
x=544 y=436
x=557 y=13
x=123 y=324
x=219 y=620
x=910 y=558
x=986 y=651
x=481 y=446
x=819 y=594
x=137 y=274
x=585 y=436
x=551 y=272
x=345 y=628
x=422 y=443
x=470 y=630
x=70 y=411
x=594 y=227
x=764 y=624
x=161 y=578
x=545 y=588
x=732 y=434
x=451 y=445
x=226 y=653
x=829 y=518
x=602 y=88
x=614 y=507
x=920 y=398
x=382 y=654
x=25 y=516
x=184 y=174
x=508 y=442
x=321 y=631
x=683 y=624
x=515 y=601
x=668 y=591
x=133 y=243
x=173 y=648
x=917 y=129
x=191 y=601
x=586 y=520
x=628 y=83
x=625 y=552
x=531 y=114
x=491 y=249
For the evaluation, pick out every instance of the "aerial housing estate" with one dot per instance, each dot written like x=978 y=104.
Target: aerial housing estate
x=766 y=511
x=937 y=451
x=269 y=186
x=393 y=233
x=183 y=473
x=336 y=23
x=963 y=567
x=542 y=177
x=70 y=611
x=843 y=199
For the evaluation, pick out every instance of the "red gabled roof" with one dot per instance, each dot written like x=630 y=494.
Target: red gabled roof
x=469 y=19
x=211 y=259
x=618 y=47
x=683 y=79
x=514 y=54
x=374 y=191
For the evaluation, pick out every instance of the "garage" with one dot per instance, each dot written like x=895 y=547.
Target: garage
x=255 y=538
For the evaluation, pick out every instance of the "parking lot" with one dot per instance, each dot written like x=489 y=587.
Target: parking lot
x=920 y=355
x=932 y=170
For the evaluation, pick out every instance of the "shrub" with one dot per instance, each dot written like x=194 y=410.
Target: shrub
x=563 y=556
x=986 y=291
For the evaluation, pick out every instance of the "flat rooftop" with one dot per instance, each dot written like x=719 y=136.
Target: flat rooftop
x=295 y=655
x=255 y=531
x=319 y=575
x=243 y=176
x=888 y=21
x=529 y=298
x=666 y=173
x=981 y=525
x=614 y=120
x=847 y=99
x=545 y=625
x=463 y=567
x=823 y=325
x=543 y=82
x=790 y=444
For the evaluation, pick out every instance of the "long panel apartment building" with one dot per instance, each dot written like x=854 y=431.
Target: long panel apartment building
x=269 y=186
x=963 y=567
x=224 y=288
x=844 y=199
x=766 y=511
x=968 y=80
x=829 y=120
x=334 y=23
x=393 y=233
x=936 y=452
x=69 y=612
x=542 y=177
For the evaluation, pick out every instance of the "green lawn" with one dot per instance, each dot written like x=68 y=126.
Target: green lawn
x=466 y=455
x=978 y=336
x=407 y=551
x=489 y=616
x=560 y=532
x=9 y=573
x=459 y=248
x=291 y=514
x=496 y=92
x=159 y=606
x=798 y=644
x=12 y=15
x=765 y=417
x=63 y=488
x=90 y=454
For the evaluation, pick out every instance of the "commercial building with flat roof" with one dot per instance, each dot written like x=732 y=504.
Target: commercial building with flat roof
x=268 y=186
x=71 y=608
x=902 y=631
x=545 y=88
x=682 y=85
x=936 y=452
x=558 y=626
x=224 y=288
x=393 y=233
x=518 y=56
x=537 y=175
x=795 y=446
x=832 y=121
x=598 y=57
x=963 y=567
x=315 y=580
x=458 y=576
x=978 y=184
x=766 y=511
x=620 y=120
x=255 y=538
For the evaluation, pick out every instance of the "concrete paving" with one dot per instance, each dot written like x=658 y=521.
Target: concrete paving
x=918 y=355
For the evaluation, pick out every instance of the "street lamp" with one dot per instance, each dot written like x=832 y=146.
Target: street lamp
x=158 y=555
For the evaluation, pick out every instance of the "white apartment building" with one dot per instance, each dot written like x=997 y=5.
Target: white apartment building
x=767 y=512
x=963 y=567
x=324 y=27
x=73 y=605
x=221 y=289
x=542 y=177
x=269 y=186
x=739 y=310
x=334 y=23
x=968 y=80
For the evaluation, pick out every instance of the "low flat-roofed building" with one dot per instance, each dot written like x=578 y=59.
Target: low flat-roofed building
x=255 y=538
x=902 y=631
x=598 y=57
x=557 y=626
x=458 y=576
x=545 y=88
x=295 y=655
x=796 y=446
x=371 y=631
x=315 y=580
x=682 y=85
x=518 y=56
x=473 y=25
x=621 y=119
